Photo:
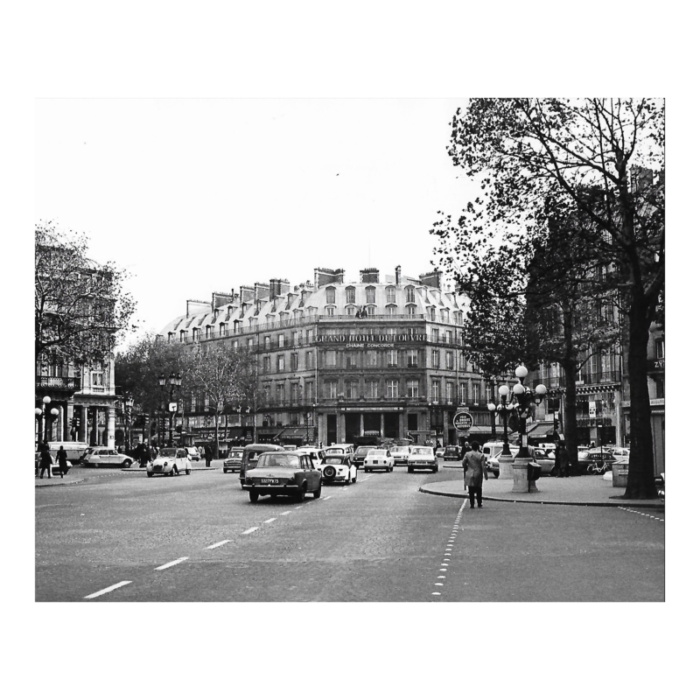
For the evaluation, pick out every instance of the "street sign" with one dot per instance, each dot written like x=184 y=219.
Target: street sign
x=172 y=407
x=462 y=420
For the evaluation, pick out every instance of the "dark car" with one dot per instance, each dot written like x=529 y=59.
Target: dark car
x=597 y=460
x=283 y=473
x=358 y=459
x=452 y=452
x=234 y=461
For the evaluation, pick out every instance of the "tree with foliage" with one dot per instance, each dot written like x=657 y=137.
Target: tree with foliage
x=223 y=375
x=138 y=368
x=80 y=307
x=598 y=159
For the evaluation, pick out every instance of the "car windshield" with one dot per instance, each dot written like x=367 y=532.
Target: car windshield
x=270 y=459
x=334 y=460
x=168 y=452
x=335 y=451
x=375 y=453
x=363 y=450
x=236 y=453
x=422 y=451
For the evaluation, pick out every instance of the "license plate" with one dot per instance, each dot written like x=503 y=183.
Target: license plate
x=269 y=481
x=375 y=462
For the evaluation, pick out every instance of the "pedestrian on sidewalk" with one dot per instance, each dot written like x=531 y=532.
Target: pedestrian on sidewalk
x=207 y=454
x=474 y=466
x=45 y=461
x=62 y=457
x=561 y=459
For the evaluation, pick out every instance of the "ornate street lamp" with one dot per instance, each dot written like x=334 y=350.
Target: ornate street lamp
x=175 y=382
x=526 y=400
x=503 y=409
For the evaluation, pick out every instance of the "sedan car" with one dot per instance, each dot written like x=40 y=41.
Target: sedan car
x=338 y=468
x=597 y=460
x=440 y=452
x=171 y=461
x=544 y=461
x=358 y=459
x=234 y=461
x=422 y=458
x=452 y=452
x=106 y=457
x=283 y=473
x=400 y=454
x=193 y=452
x=379 y=459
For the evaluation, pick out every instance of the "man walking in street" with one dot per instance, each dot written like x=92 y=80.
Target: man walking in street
x=207 y=454
x=474 y=465
x=62 y=457
x=561 y=459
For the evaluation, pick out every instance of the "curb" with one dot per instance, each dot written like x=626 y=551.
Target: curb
x=587 y=504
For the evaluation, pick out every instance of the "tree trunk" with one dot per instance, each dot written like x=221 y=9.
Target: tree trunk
x=216 y=431
x=570 y=434
x=640 y=480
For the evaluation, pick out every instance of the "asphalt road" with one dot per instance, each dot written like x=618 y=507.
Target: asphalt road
x=198 y=538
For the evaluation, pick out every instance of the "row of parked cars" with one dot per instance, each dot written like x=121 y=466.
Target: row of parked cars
x=272 y=470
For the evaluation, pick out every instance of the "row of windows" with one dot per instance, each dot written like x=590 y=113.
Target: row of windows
x=464 y=392
x=370 y=295
x=411 y=358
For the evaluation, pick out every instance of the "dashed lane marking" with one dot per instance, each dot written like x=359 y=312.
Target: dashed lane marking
x=249 y=530
x=639 y=512
x=448 y=550
x=171 y=563
x=271 y=520
x=325 y=498
x=286 y=512
x=218 y=544
x=107 y=590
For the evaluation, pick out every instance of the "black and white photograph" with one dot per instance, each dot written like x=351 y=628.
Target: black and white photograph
x=304 y=367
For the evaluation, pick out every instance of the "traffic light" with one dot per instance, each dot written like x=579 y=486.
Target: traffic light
x=75 y=422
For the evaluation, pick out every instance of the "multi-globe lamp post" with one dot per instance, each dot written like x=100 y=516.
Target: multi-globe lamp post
x=522 y=400
x=41 y=413
x=175 y=382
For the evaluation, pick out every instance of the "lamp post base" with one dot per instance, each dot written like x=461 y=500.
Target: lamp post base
x=505 y=467
x=520 y=481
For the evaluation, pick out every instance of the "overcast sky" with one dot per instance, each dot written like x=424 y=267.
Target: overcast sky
x=196 y=196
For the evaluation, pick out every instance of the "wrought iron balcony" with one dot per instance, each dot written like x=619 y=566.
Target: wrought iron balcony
x=71 y=384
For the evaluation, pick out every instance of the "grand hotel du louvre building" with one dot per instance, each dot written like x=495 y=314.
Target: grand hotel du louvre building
x=340 y=360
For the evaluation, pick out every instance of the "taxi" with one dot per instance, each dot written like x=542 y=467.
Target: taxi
x=283 y=473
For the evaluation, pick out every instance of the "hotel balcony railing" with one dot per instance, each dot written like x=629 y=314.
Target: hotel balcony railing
x=58 y=383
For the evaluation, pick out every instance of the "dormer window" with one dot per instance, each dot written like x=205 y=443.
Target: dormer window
x=370 y=295
x=350 y=295
x=195 y=334
x=183 y=334
x=171 y=337
x=410 y=295
x=330 y=295
x=223 y=330
x=391 y=295
x=207 y=332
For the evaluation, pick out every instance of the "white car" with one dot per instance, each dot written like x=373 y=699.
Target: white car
x=379 y=459
x=400 y=453
x=338 y=468
x=193 y=452
x=172 y=461
x=422 y=458
x=315 y=453
x=106 y=457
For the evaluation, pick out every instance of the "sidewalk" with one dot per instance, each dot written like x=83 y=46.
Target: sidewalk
x=78 y=474
x=574 y=491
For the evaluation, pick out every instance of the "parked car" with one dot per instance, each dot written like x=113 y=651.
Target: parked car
x=251 y=454
x=358 y=458
x=400 y=454
x=106 y=457
x=440 y=452
x=283 y=473
x=544 y=460
x=452 y=452
x=338 y=468
x=171 y=461
x=597 y=460
x=660 y=482
x=422 y=458
x=618 y=452
x=234 y=460
x=193 y=452
x=379 y=459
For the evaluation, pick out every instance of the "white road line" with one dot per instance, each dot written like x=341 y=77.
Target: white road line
x=286 y=512
x=437 y=593
x=107 y=590
x=249 y=530
x=439 y=584
x=297 y=508
x=218 y=544
x=171 y=563
x=271 y=520
x=325 y=498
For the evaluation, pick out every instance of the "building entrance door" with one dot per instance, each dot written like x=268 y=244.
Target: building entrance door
x=352 y=427
x=332 y=430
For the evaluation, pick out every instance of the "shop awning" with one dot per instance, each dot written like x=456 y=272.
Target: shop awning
x=540 y=430
x=480 y=430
